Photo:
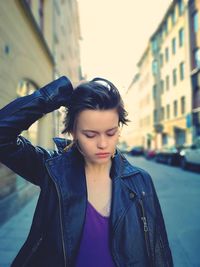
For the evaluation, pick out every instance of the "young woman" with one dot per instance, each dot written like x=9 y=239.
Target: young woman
x=95 y=209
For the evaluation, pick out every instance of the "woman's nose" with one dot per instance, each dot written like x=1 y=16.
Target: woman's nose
x=102 y=142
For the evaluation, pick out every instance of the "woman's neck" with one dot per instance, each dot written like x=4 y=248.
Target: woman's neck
x=97 y=170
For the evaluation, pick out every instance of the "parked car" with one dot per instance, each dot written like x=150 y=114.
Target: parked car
x=137 y=151
x=169 y=155
x=150 y=154
x=123 y=147
x=191 y=156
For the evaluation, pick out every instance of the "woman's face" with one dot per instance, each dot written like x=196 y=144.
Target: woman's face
x=97 y=134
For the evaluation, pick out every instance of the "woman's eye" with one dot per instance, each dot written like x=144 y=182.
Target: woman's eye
x=111 y=133
x=90 y=135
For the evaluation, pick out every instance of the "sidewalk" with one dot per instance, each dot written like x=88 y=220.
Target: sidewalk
x=14 y=232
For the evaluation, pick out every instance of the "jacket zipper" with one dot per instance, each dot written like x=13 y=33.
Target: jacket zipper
x=61 y=224
x=33 y=250
x=145 y=229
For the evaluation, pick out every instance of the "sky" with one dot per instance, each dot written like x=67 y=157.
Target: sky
x=115 y=34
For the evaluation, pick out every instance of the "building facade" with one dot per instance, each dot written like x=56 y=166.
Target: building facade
x=167 y=85
x=139 y=103
x=172 y=87
x=194 y=30
x=130 y=132
x=39 y=42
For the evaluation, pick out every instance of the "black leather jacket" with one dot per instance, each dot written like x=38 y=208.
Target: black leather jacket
x=137 y=231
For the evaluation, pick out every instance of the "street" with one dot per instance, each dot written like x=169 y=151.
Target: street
x=179 y=195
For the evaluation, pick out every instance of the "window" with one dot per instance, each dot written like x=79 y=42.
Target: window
x=155 y=115
x=160 y=35
x=196 y=57
x=181 y=37
x=166 y=54
x=173 y=17
x=154 y=91
x=164 y=139
x=57 y=8
x=195 y=18
x=29 y=2
x=182 y=70
x=182 y=104
x=161 y=60
x=174 y=46
x=180 y=7
x=167 y=82
x=161 y=86
x=162 y=113
x=174 y=75
x=24 y=88
x=155 y=67
x=154 y=44
x=168 y=111
x=163 y=31
x=41 y=14
x=165 y=27
x=175 y=108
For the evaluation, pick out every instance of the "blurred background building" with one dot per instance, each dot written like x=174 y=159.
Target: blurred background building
x=163 y=99
x=39 y=42
x=194 y=31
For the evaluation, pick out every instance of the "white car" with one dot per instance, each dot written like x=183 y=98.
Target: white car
x=191 y=155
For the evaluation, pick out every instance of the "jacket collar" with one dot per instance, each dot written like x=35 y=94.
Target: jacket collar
x=73 y=161
x=120 y=166
x=61 y=143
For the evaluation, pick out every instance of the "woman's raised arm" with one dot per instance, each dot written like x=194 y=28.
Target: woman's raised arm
x=16 y=152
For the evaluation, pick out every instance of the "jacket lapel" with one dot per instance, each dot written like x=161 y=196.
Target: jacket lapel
x=68 y=173
x=123 y=191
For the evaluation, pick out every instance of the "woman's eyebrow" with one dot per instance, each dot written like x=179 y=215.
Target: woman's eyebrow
x=92 y=131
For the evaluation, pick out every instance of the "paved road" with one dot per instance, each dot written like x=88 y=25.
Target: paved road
x=14 y=232
x=179 y=194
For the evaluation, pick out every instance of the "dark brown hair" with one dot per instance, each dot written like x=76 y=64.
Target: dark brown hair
x=97 y=94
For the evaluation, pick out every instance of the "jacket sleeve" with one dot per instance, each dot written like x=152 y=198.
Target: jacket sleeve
x=16 y=152
x=163 y=256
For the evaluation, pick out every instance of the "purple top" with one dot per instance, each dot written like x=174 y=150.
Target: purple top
x=94 y=247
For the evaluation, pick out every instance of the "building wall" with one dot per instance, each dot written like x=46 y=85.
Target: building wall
x=130 y=134
x=156 y=93
x=23 y=57
x=194 y=25
x=183 y=86
x=67 y=48
x=27 y=63
x=146 y=98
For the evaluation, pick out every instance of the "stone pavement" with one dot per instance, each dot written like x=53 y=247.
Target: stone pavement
x=14 y=232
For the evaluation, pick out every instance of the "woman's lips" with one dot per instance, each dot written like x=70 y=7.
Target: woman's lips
x=102 y=155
